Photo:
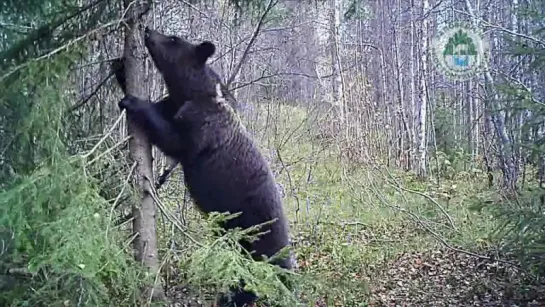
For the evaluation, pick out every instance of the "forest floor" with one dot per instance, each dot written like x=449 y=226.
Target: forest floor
x=374 y=236
x=451 y=278
x=391 y=240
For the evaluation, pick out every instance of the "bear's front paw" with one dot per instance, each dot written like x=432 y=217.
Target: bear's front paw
x=183 y=110
x=128 y=102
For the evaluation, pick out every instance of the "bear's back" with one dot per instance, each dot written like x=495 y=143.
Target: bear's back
x=230 y=174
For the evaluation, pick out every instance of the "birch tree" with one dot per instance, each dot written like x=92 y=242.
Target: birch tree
x=422 y=115
x=336 y=66
x=504 y=143
x=412 y=88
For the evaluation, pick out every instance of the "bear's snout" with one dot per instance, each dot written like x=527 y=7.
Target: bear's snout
x=150 y=35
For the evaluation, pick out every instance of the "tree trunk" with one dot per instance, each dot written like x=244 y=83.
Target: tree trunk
x=336 y=71
x=145 y=243
x=404 y=128
x=412 y=109
x=505 y=152
x=422 y=148
x=323 y=35
x=469 y=119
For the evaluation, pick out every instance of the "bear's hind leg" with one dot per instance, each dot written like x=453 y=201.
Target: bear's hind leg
x=238 y=297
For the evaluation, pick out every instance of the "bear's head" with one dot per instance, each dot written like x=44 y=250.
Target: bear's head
x=182 y=64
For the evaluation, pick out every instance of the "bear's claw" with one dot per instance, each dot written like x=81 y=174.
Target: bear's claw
x=126 y=102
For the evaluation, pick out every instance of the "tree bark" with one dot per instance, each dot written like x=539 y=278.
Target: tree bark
x=505 y=152
x=336 y=71
x=323 y=36
x=404 y=136
x=412 y=73
x=422 y=132
x=145 y=243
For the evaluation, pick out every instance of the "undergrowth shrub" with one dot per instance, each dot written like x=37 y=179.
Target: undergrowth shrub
x=58 y=244
x=214 y=263
x=522 y=228
x=57 y=234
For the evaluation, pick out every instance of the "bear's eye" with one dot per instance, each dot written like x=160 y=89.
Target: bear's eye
x=172 y=39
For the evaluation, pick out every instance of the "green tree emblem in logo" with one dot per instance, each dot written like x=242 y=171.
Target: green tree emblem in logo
x=460 y=50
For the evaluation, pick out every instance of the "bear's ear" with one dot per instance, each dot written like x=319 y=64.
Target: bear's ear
x=204 y=50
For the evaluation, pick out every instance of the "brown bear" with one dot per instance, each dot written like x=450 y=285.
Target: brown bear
x=223 y=169
x=165 y=107
x=118 y=68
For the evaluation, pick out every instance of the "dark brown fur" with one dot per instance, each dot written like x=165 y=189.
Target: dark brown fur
x=223 y=168
x=158 y=121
